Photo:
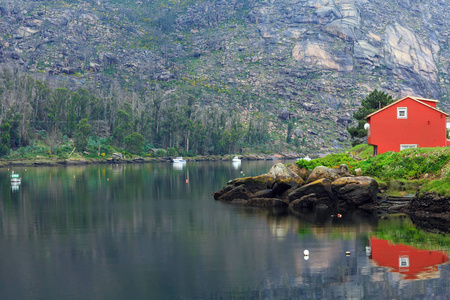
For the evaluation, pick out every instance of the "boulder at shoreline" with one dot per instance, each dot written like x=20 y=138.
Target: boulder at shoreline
x=298 y=189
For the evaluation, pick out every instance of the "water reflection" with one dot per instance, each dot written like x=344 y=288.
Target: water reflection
x=178 y=165
x=15 y=186
x=142 y=232
x=411 y=262
x=236 y=165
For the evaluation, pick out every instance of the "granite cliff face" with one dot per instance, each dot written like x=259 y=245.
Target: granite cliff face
x=307 y=60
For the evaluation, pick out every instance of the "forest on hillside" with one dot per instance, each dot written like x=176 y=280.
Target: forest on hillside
x=36 y=114
x=209 y=77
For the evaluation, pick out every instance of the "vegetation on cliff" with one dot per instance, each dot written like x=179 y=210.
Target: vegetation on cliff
x=297 y=70
x=428 y=168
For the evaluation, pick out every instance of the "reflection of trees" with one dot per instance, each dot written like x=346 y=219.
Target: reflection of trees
x=400 y=230
x=83 y=198
x=146 y=225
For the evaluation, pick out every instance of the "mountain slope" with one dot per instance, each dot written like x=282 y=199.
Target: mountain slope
x=306 y=62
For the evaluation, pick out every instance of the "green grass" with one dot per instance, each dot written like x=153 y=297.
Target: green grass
x=440 y=187
x=430 y=166
x=331 y=161
x=407 y=164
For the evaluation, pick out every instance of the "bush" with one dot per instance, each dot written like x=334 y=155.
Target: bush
x=172 y=151
x=160 y=153
x=134 y=142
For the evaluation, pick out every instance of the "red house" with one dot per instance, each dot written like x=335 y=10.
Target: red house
x=410 y=122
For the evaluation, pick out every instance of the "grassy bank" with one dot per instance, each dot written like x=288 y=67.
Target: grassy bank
x=424 y=168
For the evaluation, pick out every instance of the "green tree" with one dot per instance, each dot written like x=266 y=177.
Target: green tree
x=82 y=135
x=134 y=142
x=57 y=109
x=123 y=126
x=40 y=101
x=374 y=101
x=290 y=127
x=5 y=139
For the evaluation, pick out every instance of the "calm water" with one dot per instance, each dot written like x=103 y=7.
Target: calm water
x=153 y=231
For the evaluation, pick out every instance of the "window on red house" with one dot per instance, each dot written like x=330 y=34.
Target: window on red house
x=402 y=113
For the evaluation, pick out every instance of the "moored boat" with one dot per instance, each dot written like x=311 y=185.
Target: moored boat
x=15 y=178
x=236 y=159
x=179 y=160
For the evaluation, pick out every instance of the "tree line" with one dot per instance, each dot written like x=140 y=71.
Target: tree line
x=34 y=109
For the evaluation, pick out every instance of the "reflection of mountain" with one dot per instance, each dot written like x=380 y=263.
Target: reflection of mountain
x=411 y=262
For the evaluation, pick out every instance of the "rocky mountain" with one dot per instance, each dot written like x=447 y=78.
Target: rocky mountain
x=307 y=61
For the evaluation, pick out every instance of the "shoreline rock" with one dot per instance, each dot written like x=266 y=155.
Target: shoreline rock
x=324 y=188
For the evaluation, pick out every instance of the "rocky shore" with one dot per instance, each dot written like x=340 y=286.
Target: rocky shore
x=299 y=190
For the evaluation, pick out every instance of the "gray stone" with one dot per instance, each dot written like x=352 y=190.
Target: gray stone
x=355 y=191
x=238 y=192
x=320 y=188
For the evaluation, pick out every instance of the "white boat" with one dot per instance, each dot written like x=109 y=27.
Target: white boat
x=15 y=178
x=307 y=158
x=236 y=159
x=179 y=160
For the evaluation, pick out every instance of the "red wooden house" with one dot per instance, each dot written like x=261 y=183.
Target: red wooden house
x=410 y=122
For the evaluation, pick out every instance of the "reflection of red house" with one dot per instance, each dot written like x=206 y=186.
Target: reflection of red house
x=411 y=262
x=407 y=123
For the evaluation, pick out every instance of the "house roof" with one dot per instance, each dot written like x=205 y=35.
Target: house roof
x=414 y=99
x=424 y=99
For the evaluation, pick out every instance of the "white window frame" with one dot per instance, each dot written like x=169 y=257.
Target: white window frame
x=407 y=146
x=402 y=109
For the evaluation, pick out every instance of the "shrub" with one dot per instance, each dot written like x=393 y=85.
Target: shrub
x=134 y=142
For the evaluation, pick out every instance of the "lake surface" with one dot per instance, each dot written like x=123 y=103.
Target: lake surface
x=153 y=231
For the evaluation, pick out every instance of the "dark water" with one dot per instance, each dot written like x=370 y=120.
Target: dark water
x=153 y=231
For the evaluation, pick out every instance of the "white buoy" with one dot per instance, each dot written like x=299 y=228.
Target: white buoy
x=306 y=253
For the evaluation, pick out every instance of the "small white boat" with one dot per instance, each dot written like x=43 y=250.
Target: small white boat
x=236 y=159
x=15 y=178
x=179 y=160
x=307 y=158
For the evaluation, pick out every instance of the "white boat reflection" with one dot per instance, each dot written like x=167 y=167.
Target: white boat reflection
x=178 y=166
x=236 y=164
x=15 y=186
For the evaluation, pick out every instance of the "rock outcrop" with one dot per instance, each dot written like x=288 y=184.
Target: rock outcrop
x=332 y=189
x=284 y=187
x=316 y=58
